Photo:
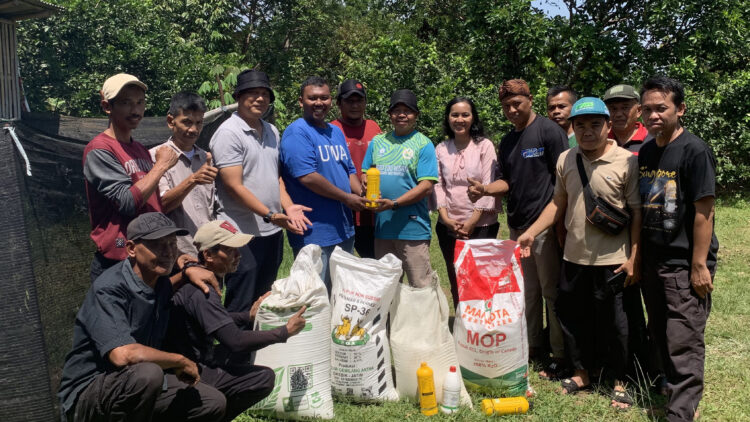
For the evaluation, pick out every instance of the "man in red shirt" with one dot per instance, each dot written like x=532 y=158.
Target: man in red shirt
x=623 y=103
x=358 y=131
x=120 y=178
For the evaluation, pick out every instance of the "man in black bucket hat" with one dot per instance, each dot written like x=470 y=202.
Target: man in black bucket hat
x=251 y=195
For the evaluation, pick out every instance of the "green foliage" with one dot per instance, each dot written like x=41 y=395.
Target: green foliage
x=438 y=48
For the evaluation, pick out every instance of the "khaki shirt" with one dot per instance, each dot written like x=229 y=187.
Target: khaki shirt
x=614 y=178
x=197 y=208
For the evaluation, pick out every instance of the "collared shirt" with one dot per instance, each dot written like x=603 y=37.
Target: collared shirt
x=636 y=141
x=235 y=143
x=119 y=309
x=614 y=178
x=478 y=160
x=197 y=207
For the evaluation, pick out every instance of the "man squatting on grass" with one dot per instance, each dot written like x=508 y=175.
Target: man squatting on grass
x=197 y=319
x=116 y=370
x=588 y=305
x=677 y=187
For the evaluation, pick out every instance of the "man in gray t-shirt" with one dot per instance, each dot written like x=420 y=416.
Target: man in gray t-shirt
x=251 y=195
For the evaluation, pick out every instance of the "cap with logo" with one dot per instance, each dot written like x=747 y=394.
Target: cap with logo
x=405 y=97
x=350 y=87
x=153 y=225
x=589 y=106
x=252 y=78
x=219 y=232
x=621 y=92
x=116 y=83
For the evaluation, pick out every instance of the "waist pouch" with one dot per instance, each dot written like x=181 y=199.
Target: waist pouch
x=600 y=213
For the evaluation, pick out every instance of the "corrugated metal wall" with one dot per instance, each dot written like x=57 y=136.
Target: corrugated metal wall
x=10 y=96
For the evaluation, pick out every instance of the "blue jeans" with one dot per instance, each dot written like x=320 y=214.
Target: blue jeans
x=347 y=245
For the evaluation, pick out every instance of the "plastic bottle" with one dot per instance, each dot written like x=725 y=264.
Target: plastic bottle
x=451 y=391
x=505 y=406
x=426 y=382
x=373 y=186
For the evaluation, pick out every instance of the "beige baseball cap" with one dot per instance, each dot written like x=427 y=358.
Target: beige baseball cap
x=115 y=84
x=219 y=232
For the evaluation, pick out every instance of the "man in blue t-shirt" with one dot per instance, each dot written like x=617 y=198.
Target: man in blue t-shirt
x=319 y=173
x=408 y=171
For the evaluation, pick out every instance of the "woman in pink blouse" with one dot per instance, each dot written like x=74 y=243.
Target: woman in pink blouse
x=466 y=153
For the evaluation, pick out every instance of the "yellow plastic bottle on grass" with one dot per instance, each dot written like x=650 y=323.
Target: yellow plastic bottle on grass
x=426 y=382
x=373 y=186
x=505 y=406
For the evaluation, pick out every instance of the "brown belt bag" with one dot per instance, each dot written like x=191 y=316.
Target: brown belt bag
x=600 y=213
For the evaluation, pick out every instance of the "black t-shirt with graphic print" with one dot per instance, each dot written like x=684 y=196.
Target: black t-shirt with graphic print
x=672 y=179
x=526 y=161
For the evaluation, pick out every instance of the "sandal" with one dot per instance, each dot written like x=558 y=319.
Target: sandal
x=570 y=386
x=622 y=397
x=554 y=371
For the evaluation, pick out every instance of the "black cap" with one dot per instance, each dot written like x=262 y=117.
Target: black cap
x=252 y=78
x=153 y=225
x=405 y=97
x=350 y=87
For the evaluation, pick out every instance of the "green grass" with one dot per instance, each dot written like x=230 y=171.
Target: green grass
x=727 y=352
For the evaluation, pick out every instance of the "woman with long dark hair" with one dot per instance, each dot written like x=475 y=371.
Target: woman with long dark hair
x=465 y=154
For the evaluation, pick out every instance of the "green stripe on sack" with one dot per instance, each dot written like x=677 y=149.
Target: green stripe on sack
x=514 y=383
x=266 y=327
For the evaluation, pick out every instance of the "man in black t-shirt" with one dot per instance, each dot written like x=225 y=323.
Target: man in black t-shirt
x=526 y=161
x=679 y=246
x=197 y=319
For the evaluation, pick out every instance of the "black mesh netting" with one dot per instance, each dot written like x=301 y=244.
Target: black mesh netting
x=44 y=230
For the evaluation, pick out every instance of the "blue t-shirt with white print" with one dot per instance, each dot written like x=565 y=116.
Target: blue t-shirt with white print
x=307 y=149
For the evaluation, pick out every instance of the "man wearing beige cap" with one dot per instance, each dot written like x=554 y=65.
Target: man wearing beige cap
x=623 y=103
x=120 y=177
x=196 y=320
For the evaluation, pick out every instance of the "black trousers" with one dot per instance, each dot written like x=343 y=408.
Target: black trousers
x=135 y=393
x=259 y=264
x=677 y=322
x=593 y=320
x=364 y=241
x=447 y=245
x=242 y=385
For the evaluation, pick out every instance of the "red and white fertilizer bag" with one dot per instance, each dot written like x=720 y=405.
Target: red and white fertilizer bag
x=303 y=364
x=490 y=325
x=361 y=297
x=419 y=333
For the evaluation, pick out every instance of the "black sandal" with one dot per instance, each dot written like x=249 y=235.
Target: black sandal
x=555 y=371
x=571 y=387
x=622 y=397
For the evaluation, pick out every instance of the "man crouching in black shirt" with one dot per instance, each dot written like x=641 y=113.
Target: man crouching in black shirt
x=679 y=247
x=197 y=319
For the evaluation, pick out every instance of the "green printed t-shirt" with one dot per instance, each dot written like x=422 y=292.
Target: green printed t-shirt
x=403 y=162
x=572 y=140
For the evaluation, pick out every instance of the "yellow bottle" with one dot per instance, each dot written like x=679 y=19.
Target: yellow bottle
x=505 y=406
x=426 y=382
x=373 y=186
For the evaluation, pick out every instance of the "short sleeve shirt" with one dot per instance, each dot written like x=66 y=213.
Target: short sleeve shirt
x=403 y=162
x=672 y=179
x=194 y=320
x=614 y=178
x=309 y=149
x=526 y=160
x=235 y=143
x=197 y=207
x=119 y=309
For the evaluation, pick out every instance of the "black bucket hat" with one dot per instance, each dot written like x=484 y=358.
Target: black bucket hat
x=405 y=97
x=252 y=78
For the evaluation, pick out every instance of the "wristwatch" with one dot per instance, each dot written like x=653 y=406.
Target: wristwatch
x=267 y=217
x=395 y=205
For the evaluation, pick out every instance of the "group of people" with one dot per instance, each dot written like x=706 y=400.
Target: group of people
x=169 y=224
